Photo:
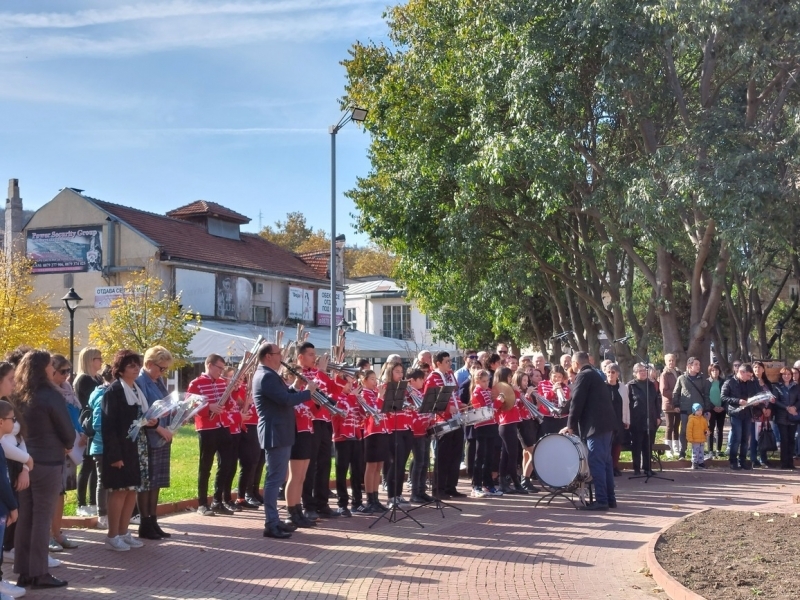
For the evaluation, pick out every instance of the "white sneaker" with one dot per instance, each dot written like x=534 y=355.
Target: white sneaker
x=52 y=563
x=92 y=508
x=131 y=541
x=8 y=556
x=9 y=590
x=136 y=520
x=477 y=493
x=462 y=466
x=117 y=544
x=102 y=522
x=83 y=511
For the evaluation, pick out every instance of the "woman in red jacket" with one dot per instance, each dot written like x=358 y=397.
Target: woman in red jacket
x=376 y=442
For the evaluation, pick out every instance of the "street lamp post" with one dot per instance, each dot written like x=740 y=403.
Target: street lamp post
x=358 y=115
x=71 y=301
x=779 y=331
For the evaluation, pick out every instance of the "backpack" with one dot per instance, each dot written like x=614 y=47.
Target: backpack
x=86 y=412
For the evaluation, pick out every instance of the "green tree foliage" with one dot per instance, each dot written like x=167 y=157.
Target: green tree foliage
x=599 y=143
x=146 y=316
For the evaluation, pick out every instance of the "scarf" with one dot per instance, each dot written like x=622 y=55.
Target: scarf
x=134 y=396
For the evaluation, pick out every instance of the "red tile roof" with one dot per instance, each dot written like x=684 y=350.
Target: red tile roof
x=190 y=242
x=206 y=208
x=319 y=260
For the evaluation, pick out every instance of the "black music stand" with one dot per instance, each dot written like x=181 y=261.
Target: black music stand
x=436 y=401
x=394 y=399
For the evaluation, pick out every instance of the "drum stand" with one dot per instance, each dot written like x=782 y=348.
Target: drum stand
x=393 y=403
x=554 y=492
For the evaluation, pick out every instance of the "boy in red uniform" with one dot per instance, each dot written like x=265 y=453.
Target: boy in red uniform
x=347 y=434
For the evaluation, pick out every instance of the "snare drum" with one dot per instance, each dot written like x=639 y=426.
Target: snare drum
x=441 y=429
x=561 y=460
x=478 y=415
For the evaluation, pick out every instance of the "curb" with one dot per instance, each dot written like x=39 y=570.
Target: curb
x=671 y=586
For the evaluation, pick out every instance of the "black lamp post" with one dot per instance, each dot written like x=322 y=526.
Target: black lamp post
x=71 y=301
x=779 y=331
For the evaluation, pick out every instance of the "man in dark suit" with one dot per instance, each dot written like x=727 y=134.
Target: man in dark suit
x=592 y=413
x=275 y=404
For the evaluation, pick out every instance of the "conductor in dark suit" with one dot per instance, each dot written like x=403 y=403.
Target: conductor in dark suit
x=275 y=404
x=592 y=413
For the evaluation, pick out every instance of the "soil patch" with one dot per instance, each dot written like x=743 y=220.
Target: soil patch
x=730 y=555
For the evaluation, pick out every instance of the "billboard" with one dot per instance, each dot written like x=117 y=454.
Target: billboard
x=301 y=304
x=66 y=249
x=324 y=307
x=104 y=296
x=226 y=296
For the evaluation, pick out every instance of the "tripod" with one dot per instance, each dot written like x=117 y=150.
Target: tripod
x=649 y=473
x=393 y=401
x=436 y=401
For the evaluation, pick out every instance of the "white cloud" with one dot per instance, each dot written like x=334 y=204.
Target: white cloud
x=166 y=10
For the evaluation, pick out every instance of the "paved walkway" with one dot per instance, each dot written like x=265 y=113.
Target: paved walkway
x=496 y=548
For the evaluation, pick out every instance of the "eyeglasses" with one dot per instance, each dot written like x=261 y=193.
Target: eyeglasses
x=219 y=366
x=65 y=371
x=8 y=419
x=161 y=369
x=473 y=357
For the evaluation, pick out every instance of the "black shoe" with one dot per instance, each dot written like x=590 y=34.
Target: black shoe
x=326 y=513
x=232 y=506
x=311 y=514
x=47 y=581
x=518 y=487
x=417 y=500
x=275 y=531
x=456 y=494
x=637 y=472
x=594 y=506
x=365 y=509
x=254 y=500
x=160 y=531
x=298 y=518
x=24 y=581
x=617 y=473
x=220 y=508
x=287 y=526
x=746 y=466
x=735 y=467
x=246 y=504
x=344 y=512
x=146 y=529
x=612 y=504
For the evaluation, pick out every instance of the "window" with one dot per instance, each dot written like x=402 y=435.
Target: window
x=351 y=318
x=397 y=322
x=428 y=323
x=258 y=288
x=262 y=315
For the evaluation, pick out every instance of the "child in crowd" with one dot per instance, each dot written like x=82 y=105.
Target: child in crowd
x=696 y=434
x=8 y=502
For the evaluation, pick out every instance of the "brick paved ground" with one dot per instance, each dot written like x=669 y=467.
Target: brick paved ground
x=496 y=548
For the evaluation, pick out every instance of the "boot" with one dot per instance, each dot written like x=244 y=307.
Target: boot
x=376 y=503
x=158 y=529
x=297 y=517
x=146 y=529
x=518 y=485
x=505 y=487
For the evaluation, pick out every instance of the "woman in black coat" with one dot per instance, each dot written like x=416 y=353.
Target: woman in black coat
x=787 y=409
x=124 y=461
x=645 y=409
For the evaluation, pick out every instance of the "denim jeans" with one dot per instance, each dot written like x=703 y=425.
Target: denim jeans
x=277 y=465
x=739 y=439
x=601 y=467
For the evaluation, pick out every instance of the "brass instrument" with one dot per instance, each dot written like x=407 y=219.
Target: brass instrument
x=318 y=397
x=369 y=410
x=416 y=397
x=246 y=368
x=532 y=408
x=554 y=410
x=344 y=369
x=562 y=399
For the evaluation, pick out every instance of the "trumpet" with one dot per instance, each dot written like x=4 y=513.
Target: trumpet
x=319 y=398
x=532 y=408
x=371 y=411
x=562 y=399
x=554 y=410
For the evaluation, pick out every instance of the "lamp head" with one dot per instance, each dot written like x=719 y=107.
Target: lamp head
x=358 y=114
x=71 y=300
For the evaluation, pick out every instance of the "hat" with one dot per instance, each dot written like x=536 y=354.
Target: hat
x=696 y=406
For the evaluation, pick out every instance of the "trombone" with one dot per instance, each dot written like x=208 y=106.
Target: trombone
x=532 y=408
x=369 y=410
x=554 y=410
x=319 y=398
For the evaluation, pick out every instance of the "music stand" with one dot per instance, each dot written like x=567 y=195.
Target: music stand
x=436 y=400
x=394 y=399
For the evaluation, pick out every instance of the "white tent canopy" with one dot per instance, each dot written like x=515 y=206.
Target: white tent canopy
x=232 y=340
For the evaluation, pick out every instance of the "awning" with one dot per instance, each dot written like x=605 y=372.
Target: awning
x=232 y=340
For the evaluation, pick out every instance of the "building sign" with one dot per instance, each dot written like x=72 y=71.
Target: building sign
x=324 y=307
x=301 y=304
x=66 y=249
x=104 y=296
x=226 y=296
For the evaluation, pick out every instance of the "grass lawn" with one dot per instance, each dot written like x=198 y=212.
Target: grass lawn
x=183 y=469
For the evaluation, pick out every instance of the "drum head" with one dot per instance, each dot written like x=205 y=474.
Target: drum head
x=556 y=460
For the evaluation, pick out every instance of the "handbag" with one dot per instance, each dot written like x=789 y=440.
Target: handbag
x=766 y=439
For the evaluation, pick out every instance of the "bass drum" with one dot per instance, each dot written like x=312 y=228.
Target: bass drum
x=561 y=460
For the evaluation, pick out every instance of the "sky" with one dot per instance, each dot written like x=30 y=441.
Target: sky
x=157 y=103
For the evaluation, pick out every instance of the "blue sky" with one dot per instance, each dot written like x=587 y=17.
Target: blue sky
x=156 y=103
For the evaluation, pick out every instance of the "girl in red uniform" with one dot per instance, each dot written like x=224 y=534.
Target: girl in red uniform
x=527 y=429
x=421 y=444
x=486 y=438
x=400 y=439
x=299 y=459
x=347 y=433
x=376 y=442
x=509 y=419
x=556 y=390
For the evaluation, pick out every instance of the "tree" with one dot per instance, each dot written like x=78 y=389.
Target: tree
x=145 y=316
x=293 y=234
x=367 y=261
x=26 y=319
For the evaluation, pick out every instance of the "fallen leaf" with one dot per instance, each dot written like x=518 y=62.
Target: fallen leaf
x=636 y=587
x=489 y=522
x=676 y=507
x=794 y=516
x=185 y=570
x=658 y=590
x=99 y=577
x=770 y=520
x=755 y=514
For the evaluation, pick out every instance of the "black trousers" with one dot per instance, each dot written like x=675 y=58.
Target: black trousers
x=87 y=479
x=255 y=489
x=421 y=449
x=471 y=449
x=640 y=448
x=220 y=443
x=318 y=477
x=510 y=451
x=398 y=457
x=715 y=421
x=486 y=447
x=349 y=456
x=447 y=462
x=249 y=453
x=787 y=444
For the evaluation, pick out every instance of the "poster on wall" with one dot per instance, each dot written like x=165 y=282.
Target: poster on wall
x=324 y=307
x=104 y=296
x=301 y=304
x=65 y=249
x=226 y=296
